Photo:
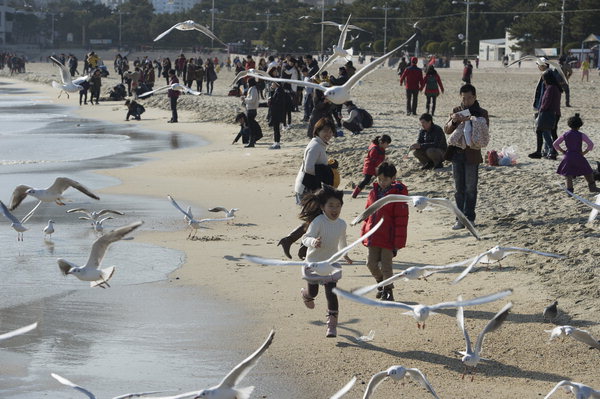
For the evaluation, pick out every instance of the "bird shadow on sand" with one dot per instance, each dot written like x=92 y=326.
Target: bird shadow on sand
x=245 y=224
x=233 y=258
x=490 y=368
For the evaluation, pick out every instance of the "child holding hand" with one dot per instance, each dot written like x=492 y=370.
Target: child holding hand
x=374 y=158
x=384 y=244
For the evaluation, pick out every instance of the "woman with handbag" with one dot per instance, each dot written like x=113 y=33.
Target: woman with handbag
x=549 y=114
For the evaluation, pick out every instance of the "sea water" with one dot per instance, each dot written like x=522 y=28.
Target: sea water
x=142 y=333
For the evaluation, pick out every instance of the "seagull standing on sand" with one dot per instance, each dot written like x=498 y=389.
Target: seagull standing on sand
x=421 y=312
x=471 y=356
x=190 y=25
x=580 y=391
x=193 y=223
x=420 y=203
x=90 y=395
x=17 y=224
x=91 y=270
x=498 y=253
x=49 y=229
x=575 y=333
x=322 y=268
x=50 y=194
x=18 y=331
x=340 y=94
x=398 y=373
x=228 y=387
x=68 y=85
x=94 y=215
x=174 y=86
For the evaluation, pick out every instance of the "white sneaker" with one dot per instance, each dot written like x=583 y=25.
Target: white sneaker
x=275 y=146
x=458 y=225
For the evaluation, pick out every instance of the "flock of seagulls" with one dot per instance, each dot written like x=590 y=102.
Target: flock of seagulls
x=196 y=224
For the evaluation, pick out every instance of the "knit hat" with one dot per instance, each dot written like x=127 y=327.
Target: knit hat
x=414 y=60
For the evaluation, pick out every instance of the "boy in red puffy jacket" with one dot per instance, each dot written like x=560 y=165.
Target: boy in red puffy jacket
x=391 y=236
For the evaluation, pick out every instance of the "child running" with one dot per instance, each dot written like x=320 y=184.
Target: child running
x=391 y=236
x=574 y=162
x=375 y=156
x=325 y=236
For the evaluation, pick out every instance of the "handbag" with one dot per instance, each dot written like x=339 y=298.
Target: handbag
x=545 y=120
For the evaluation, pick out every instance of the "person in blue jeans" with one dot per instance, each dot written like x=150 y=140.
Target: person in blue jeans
x=463 y=153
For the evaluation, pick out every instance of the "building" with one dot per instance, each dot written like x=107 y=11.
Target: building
x=496 y=49
x=171 y=6
x=6 y=22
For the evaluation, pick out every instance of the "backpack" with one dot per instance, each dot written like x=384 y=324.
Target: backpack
x=431 y=84
x=366 y=120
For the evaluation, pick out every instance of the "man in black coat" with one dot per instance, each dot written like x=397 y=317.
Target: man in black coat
x=279 y=103
x=431 y=144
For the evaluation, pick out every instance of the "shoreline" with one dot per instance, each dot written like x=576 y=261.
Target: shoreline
x=259 y=183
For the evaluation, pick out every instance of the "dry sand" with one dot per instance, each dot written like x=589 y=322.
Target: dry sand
x=519 y=205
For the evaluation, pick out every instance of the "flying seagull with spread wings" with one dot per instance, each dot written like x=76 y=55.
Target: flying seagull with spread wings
x=17 y=224
x=90 y=395
x=398 y=373
x=340 y=94
x=594 y=205
x=50 y=194
x=191 y=25
x=580 y=391
x=174 y=86
x=18 y=331
x=340 y=26
x=338 y=50
x=541 y=61
x=68 y=85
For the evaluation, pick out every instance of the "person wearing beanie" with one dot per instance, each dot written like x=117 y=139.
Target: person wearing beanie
x=413 y=81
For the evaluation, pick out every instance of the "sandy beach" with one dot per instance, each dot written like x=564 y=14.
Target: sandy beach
x=518 y=205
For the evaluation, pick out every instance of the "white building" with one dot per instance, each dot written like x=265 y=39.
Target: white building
x=5 y=23
x=496 y=49
x=171 y=6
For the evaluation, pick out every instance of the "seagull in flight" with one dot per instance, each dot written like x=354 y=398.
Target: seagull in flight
x=193 y=223
x=228 y=212
x=338 y=50
x=191 y=25
x=498 y=253
x=18 y=331
x=322 y=268
x=68 y=84
x=421 y=312
x=97 y=224
x=575 y=333
x=94 y=215
x=471 y=356
x=91 y=270
x=50 y=194
x=228 y=387
x=580 y=391
x=243 y=74
x=341 y=26
x=344 y=389
x=340 y=94
x=174 y=86
x=17 y=224
x=594 y=205
x=543 y=60
x=90 y=395
x=420 y=203
x=398 y=373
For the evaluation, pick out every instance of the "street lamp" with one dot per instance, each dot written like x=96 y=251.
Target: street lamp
x=322 y=20
x=268 y=14
x=562 y=24
x=385 y=11
x=468 y=4
x=212 y=11
x=121 y=27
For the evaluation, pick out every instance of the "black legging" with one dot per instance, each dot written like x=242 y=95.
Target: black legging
x=209 y=86
x=332 y=300
x=433 y=100
x=365 y=181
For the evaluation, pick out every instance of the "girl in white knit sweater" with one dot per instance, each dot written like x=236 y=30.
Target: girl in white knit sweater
x=325 y=236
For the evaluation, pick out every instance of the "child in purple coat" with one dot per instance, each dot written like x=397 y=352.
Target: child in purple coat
x=574 y=162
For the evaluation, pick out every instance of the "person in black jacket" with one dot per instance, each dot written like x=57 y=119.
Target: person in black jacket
x=279 y=103
x=323 y=108
x=431 y=144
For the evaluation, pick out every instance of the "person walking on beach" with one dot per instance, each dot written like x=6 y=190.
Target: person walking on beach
x=402 y=65
x=173 y=96
x=251 y=102
x=431 y=144
x=279 y=103
x=384 y=244
x=468 y=127
x=412 y=78
x=375 y=156
x=211 y=75
x=467 y=72
x=585 y=70
x=326 y=235
x=432 y=86
x=574 y=162
x=95 y=85
x=549 y=113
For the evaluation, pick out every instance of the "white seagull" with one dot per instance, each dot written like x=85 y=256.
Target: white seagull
x=575 y=333
x=228 y=212
x=498 y=253
x=97 y=224
x=398 y=373
x=190 y=25
x=420 y=203
x=344 y=389
x=340 y=94
x=193 y=223
x=49 y=229
x=91 y=270
x=580 y=391
x=17 y=224
x=594 y=205
x=471 y=356
x=341 y=26
x=174 y=86
x=412 y=273
x=18 y=331
x=322 y=268
x=543 y=60
x=50 y=194
x=90 y=395
x=421 y=312
x=68 y=84
x=94 y=215
x=228 y=387
x=243 y=74
x=338 y=50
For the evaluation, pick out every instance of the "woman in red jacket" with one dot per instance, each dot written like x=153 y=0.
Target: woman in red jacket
x=391 y=236
x=374 y=158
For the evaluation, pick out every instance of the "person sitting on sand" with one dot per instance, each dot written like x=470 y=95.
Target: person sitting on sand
x=431 y=144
